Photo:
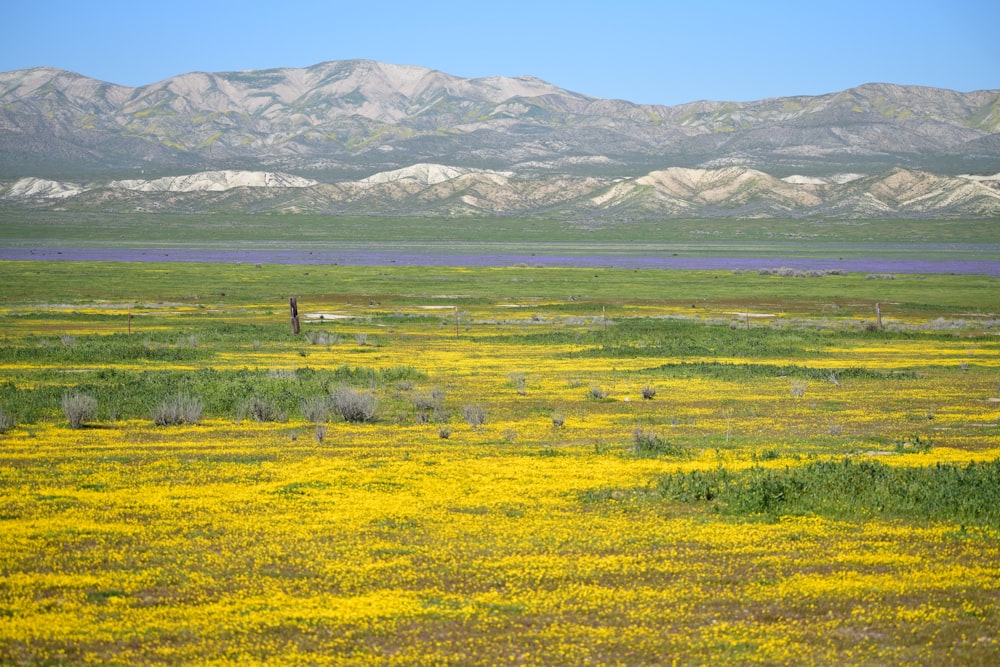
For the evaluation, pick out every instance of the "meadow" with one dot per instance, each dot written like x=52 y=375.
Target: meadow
x=511 y=465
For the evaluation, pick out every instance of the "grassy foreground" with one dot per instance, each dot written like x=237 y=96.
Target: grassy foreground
x=549 y=466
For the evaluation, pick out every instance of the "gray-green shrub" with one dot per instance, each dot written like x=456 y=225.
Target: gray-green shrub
x=79 y=408
x=647 y=443
x=262 y=409
x=475 y=415
x=7 y=421
x=353 y=405
x=178 y=409
x=317 y=409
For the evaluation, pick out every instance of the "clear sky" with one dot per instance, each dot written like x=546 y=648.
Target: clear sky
x=649 y=52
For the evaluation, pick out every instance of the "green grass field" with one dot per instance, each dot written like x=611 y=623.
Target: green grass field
x=945 y=239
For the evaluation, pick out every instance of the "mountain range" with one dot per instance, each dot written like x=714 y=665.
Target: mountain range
x=375 y=138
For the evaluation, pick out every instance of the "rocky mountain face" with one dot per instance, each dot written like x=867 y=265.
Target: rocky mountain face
x=363 y=136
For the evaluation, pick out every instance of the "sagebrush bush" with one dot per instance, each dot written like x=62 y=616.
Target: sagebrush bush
x=429 y=401
x=475 y=415
x=648 y=392
x=317 y=409
x=7 y=421
x=647 y=443
x=261 y=409
x=353 y=405
x=79 y=408
x=176 y=410
x=598 y=393
x=322 y=338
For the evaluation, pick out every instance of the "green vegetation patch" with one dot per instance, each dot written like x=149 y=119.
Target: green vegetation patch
x=845 y=490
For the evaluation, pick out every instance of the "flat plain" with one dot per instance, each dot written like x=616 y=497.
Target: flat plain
x=490 y=465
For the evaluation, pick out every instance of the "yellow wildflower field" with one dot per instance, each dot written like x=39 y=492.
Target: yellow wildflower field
x=533 y=536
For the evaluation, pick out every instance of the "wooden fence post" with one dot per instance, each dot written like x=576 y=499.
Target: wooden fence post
x=294 y=307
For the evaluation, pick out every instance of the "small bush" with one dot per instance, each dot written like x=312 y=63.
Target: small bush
x=444 y=432
x=322 y=338
x=475 y=415
x=353 y=405
x=317 y=409
x=79 y=408
x=558 y=419
x=598 y=393
x=648 y=393
x=520 y=382
x=320 y=432
x=645 y=443
x=7 y=422
x=798 y=388
x=430 y=401
x=175 y=410
x=262 y=409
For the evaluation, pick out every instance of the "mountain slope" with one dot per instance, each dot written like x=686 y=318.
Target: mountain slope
x=354 y=118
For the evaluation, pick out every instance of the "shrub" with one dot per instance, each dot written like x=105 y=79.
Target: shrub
x=322 y=338
x=320 y=432
x=317 y=409
x=475 y=415
x=520 y=382
x=7 y=422
x=179 y=409
x=798 y=388
x=79 y=408
x=558 y=419
x=444 y=432
x=648 y=392
x=353 y=405
x=262 y=409
x=430 y=401
x=646 y=443
x=598 y=393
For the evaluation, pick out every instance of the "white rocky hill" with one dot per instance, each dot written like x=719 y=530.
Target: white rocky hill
x=40 y=188
x=436 y=189
x=214 y=181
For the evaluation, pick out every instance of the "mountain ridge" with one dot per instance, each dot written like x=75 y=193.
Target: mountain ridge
x=384 y=138
x=364 y=116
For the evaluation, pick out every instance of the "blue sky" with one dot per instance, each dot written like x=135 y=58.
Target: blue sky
x=648 y=52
